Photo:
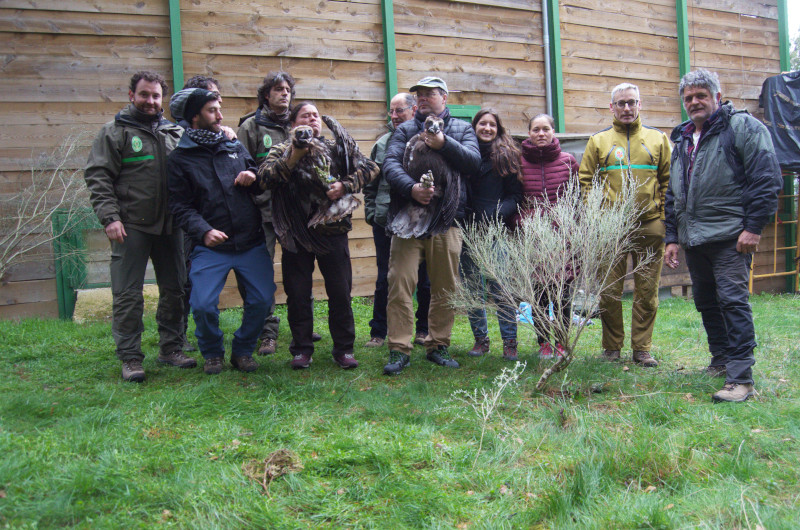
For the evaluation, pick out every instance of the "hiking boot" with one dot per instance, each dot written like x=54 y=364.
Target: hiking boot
x=346 y=360
x=734 y=392
x=177 y=358
x=611 y=355
x=268 y=347
x=397 y=361
x=419 y=338
x=244 y=363
x=510 y=349
x=132 y=371
x=442 y=357
x=480 y=348
x=374 y=342
x=545 y=351
x=213 y=365
x=315 y=337
x=187 y=346
x=644 y=358
x=300 y=361
x=560 y=351
x=715 y=371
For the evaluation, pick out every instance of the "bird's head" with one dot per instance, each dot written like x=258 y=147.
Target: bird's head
x=301 y=136
x=434 y=124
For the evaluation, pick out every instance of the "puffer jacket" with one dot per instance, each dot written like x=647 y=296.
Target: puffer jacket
x=460 y=150
x=490 y=195
x=202 y=195
x=544 y=171
x=644 y=151
x=126 y=172
x=377 y=194
x=258 y=134
x=734 y=182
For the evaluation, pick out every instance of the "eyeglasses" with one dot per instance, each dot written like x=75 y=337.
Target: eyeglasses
x=621 y=104
x=398 y=111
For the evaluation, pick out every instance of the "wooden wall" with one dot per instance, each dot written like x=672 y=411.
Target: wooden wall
x=66 y=63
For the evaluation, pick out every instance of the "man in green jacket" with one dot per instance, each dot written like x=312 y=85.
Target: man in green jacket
x=127 y=179
x=625 y=150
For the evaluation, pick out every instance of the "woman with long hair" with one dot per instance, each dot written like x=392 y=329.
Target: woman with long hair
x=494 y=192
x=545 y=168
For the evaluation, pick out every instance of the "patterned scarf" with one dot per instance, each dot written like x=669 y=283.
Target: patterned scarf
x=281 y=119
x=205 y=137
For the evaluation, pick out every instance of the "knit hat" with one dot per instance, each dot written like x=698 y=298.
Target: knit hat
x=186 y=104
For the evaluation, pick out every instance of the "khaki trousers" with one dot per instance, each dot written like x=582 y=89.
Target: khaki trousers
x=645 y=292
x=441 y=253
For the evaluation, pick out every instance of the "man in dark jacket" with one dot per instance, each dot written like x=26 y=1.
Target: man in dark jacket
x=723 y=187
x=458 y=145
x=376 y=209
x=126 y=176
x=210 y=182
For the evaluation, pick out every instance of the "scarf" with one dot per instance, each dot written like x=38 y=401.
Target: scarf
x=281 y=119
x=149 y=120
x=204 y=137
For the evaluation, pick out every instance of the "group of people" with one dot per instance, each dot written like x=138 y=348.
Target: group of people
x=710 y=189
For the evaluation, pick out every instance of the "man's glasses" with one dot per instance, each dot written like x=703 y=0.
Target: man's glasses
x=392 y=112
x=621 y=104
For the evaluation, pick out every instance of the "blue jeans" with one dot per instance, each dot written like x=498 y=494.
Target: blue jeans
x=210 y=269
x=506 y=314
x=377 y=325
x=719 y=285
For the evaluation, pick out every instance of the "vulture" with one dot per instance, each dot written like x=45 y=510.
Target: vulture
x=303 y=204
x=428 y=167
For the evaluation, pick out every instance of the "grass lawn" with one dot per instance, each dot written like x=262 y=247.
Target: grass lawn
x=607 y=445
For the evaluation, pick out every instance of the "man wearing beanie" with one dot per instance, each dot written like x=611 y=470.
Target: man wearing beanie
x=127 y=180
x=210 y=194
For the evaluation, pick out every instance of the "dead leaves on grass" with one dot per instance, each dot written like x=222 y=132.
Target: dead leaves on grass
x=277 y=464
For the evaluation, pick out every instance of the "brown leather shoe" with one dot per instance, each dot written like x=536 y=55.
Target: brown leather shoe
x=374 y=342
x=177 y=358
x=213 y=365
x=346 y=360
x=481 y=347
x=244 y=363
x=733 y=392
x=132 y=371
x=611 y=355
x=268 y=347
x=419 y=338
x=510 y=350
x=644 y=358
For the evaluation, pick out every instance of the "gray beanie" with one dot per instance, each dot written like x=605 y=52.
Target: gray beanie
x=186 y=103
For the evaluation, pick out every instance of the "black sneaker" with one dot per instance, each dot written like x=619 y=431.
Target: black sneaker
x=397 y=361
x=442 y=357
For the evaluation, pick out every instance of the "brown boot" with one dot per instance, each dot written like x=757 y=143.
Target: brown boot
x=733 y=392
x=132 y=371
x=268 y=347
x=177 y=358
x=510 y=350
x=611 y=355
x=480 y=348
x=644 y=358
x=244 y=363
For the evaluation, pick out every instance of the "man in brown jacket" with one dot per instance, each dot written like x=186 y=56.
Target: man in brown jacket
x=126 y=176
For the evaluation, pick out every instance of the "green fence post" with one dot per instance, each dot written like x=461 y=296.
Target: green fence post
x=556 y=71
x=389 y=50
x=176 y=41
x=684 y=64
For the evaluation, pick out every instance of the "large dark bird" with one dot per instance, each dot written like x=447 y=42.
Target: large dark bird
x=304 y=203
x=428 y=167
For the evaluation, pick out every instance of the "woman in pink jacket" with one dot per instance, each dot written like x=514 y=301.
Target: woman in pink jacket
x=545 y=169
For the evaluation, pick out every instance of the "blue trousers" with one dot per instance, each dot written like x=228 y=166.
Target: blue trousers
x=719 y=285
x=209 y=271
x=506 y=315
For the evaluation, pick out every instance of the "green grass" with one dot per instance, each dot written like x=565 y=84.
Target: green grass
x=600 y=448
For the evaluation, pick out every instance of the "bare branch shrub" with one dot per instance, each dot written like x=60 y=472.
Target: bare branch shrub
x=55 y=190
x=561 y=252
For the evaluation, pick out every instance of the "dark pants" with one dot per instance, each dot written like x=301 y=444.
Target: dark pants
x=562 y=309
x=377 y=325
x=128 y=264
x=719 y=285
x=298 y=268
x=210 y=269
x=506 y=314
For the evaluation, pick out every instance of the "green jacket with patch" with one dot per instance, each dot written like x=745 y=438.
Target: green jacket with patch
x=377 y=194
x=258 y=134
x=644 y=151
x=126 y=173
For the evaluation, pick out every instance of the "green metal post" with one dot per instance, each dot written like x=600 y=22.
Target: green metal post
x=556 y=72
x=177 y=44
x=790 y=230
x=684 y=64
x=783 y=35
x=389 y=49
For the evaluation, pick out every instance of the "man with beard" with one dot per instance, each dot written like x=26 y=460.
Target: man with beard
x=210 y=185
x=127 y=180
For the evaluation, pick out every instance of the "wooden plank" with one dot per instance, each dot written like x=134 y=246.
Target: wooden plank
x=622 y=71
x=30 y=69
x=84 y=90
x=620 y=38
x=731 y=19
x=616 y=12
x=85 y=46
x=272 y=10
x=39 y=264
x=71 y=23
x=27 y=291
x=140 y=7
x=423 y=44
x=317 y=88
x=522 y=5
x=44 y=309
x=634 y=23
x=735 y=49
x=762 y=8
x=718 y=61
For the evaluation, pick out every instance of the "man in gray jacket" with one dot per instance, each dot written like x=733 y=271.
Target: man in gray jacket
x=126 y=176
x=723 y=187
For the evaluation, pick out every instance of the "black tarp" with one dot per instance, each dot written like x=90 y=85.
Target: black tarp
x=780 y=99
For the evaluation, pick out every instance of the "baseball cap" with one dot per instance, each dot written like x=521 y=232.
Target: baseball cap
x=429 y=82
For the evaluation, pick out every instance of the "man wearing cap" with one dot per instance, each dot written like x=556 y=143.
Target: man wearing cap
x=457 y=144
x=126 y=177
x=210 y=187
